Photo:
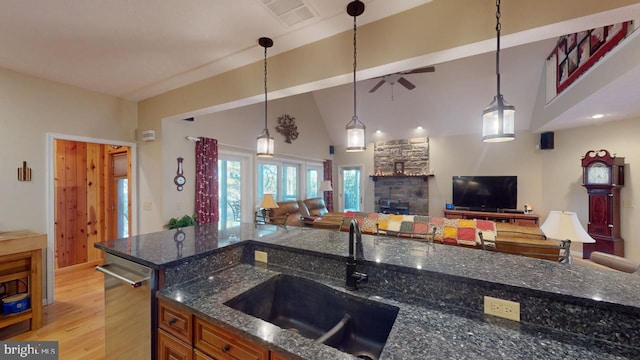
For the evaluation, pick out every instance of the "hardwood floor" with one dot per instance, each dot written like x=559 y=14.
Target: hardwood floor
x=75 y=320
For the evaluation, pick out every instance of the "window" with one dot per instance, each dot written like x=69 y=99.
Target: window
x=315 y=175
x=229 y=191
x=282 y=179
x=267 y=180
x=351 y=188
x=290 y=182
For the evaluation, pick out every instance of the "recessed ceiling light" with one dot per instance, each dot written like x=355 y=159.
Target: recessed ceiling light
x=378 y=132
x=597 y=116
x=419 y=127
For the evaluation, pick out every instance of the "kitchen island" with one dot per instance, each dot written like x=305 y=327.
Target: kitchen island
x=567 y=311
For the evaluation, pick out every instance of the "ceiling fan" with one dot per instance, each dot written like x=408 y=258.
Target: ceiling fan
x=398 y=77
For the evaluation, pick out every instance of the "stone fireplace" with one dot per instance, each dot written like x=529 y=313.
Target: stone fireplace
x=406 y=191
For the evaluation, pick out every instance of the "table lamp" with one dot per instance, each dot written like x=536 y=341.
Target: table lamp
x=564 y=225
x=267 y=203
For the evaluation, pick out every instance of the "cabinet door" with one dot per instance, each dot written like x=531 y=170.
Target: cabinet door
x=197 y=355
x=175 y=321
x=170 y=348
x=221 y=344
x=276 y=356
x=600 y=212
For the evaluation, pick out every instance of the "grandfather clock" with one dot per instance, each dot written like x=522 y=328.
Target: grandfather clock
x=603 y=176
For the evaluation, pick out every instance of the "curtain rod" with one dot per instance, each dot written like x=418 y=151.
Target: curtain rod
x=196 y=139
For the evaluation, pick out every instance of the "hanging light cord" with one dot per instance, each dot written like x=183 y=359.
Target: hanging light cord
x=265 y=90
x=355 y=64
x=498 y=28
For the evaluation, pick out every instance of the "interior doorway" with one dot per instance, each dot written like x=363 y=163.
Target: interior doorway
x=90 y=197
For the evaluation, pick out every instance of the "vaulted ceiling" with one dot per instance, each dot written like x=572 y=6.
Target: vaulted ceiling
x=138 y=49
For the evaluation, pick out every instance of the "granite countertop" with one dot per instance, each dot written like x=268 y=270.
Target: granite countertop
x=159 y=250
x=419 y=332
x=421 y=328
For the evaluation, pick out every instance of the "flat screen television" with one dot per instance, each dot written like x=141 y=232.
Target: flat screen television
x=485 y=193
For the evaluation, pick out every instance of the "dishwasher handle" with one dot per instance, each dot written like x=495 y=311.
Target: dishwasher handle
x=134 y=283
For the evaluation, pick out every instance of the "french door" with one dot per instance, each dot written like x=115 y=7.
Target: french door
x=351 y=186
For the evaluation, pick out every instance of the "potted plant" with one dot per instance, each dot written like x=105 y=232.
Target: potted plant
x=177 y=223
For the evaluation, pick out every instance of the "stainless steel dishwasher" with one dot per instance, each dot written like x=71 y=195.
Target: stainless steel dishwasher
x=128 y=292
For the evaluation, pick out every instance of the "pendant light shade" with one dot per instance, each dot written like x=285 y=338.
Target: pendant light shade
x=355 y=135
x=265 y=143
x=356 y=140
x=498 y=119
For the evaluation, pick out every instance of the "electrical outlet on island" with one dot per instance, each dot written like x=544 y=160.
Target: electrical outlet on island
x=502 y=308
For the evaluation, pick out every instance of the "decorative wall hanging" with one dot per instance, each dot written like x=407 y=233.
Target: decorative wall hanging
x=24 y=172
x=576 y=53
x=179 y=179
x=287 y=127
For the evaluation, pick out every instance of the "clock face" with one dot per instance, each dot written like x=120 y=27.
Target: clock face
x=179 y=236
x=598 y=173
x=179 y=180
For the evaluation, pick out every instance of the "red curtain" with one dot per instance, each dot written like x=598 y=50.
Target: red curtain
x=328 y=175
x=206 y=180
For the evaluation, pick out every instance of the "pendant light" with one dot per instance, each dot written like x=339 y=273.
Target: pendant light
x=498 y=119
x=265 y=145
x=355 y=128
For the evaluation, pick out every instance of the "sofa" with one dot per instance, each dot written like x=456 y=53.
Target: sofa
x=298 y=212
x=476 y=233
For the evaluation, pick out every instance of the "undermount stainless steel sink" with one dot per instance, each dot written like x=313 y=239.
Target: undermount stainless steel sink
x=348 y=323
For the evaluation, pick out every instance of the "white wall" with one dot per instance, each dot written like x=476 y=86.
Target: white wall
x=29 y=109
x=468 y=155
x=236 y=131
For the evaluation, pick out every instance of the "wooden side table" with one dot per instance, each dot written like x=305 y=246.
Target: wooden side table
x=20 y=260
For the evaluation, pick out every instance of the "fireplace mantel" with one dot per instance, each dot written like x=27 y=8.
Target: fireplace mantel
x=424 y=177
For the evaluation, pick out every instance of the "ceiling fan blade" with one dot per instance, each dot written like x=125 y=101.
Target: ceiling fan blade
x=377 y=86
x=425 y=69
x=406 y=83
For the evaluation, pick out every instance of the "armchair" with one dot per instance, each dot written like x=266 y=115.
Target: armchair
x=315 y=207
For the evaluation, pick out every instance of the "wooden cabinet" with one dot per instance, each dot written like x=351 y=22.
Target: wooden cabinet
x=224 y=345
x=184 y=336
x=197 y=355
x=276 y=356
x=175 y=321
x=512 y=218
x=21 y=261
x=170 y=348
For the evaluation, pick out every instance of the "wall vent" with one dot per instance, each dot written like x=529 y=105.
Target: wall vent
x=289 y=12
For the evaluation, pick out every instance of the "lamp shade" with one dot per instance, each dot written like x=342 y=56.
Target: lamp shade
x=496 y=128
x=563 y=225
x=355 y=135
x=325 y=185
x=268 y=202
x=265 y=144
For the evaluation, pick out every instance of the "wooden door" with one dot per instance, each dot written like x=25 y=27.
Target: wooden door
x=81 y=183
